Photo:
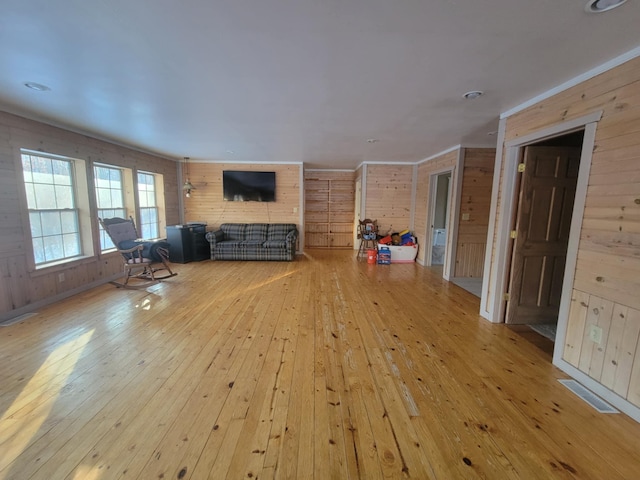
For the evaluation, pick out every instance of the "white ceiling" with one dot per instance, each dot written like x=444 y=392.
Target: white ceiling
x=296 y=80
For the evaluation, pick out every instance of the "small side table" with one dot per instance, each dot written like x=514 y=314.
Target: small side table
x=187 y=243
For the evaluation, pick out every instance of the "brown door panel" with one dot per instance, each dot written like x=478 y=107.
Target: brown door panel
x=543 y=221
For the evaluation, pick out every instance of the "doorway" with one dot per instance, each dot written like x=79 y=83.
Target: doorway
x=358 y=213
x=440 y=199
x=544 y=198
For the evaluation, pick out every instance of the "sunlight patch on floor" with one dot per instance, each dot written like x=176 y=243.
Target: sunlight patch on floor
x=18 y=431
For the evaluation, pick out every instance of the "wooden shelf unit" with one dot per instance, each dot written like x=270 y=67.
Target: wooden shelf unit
x=329 y=209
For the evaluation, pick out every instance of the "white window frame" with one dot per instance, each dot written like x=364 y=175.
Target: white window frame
x=148 y=201
x=77 y=183
x=111 y=211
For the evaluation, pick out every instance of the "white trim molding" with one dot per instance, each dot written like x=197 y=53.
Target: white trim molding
x=495 y=280
x=487 y=304
x=615 y=62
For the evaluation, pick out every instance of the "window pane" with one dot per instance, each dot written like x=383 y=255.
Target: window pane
x=53 y=249
x=64 y=196
x=71 y=242
x=26 y=168
x=69 y=221
x=105 y=241
x=101 y=174
x=31 y=196
x=45 y=195
x=115 y=176
x=36 y=224
x=144 y=215
x=117 y=201
x=42 y=169
x=51 y=223
x=103 y=197
x=61 y=172
x=143 y=199
x=38 y=250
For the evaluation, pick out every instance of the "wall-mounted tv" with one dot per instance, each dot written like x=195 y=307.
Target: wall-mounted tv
x=242 y=186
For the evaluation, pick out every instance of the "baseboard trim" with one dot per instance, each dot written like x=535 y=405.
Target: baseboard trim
x=31 y=307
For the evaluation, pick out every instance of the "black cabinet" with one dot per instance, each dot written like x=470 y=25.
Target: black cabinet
x=188 y=243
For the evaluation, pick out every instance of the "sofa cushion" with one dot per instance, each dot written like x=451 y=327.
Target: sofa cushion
x=256 y=231
x=278 y=231
x=275 y=244
x=233 y=231
x=248 y=243
x=229 y=243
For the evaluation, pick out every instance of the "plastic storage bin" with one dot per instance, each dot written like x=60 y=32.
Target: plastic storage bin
x=401 y=253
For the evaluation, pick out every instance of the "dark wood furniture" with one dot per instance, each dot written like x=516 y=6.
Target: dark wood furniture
x=187 y=242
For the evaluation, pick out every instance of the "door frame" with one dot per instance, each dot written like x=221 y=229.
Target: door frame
x=450 y=221
x=496 y=274
x=357 y=211
x=493 y=280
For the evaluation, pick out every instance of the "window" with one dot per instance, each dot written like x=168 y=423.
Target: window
x=109 y=184
x=149 y=217
x=53 y=214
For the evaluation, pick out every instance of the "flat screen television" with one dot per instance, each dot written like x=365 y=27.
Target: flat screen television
x=242 y=186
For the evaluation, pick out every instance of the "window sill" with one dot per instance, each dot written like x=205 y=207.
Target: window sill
x=61 y=265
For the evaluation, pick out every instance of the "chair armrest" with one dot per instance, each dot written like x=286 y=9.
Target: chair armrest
x=213 y=237
x=138 y=248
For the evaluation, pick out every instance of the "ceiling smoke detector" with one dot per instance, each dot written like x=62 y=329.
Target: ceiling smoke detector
x=472 y=94
x=599 y=6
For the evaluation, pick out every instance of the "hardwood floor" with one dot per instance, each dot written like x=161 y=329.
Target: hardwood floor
x=323 y=368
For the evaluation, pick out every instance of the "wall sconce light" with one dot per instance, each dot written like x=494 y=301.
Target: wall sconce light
x=187 y=186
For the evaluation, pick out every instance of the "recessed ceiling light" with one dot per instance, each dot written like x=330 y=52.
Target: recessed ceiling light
x=472 y=94
x=230 y=152
x=599 y=6
x=37 y=86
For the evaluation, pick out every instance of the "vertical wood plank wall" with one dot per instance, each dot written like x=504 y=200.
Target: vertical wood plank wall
x=207 y=203
x=423 y=197
x=475 y=201
x=329 y=208
x=19 y=286
x=389 y=190
x=607 y=276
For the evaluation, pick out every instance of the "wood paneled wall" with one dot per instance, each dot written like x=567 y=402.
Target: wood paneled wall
x=388 y=199
x=329 y=208
x=607 y=276
x=20 y=285
x=475 y=202
x=207 y=204
x=613 y=362
x=423 y=196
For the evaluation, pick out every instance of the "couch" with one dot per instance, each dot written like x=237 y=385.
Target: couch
x=253 y=241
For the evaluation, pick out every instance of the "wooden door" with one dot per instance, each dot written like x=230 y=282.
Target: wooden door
x=543 y=221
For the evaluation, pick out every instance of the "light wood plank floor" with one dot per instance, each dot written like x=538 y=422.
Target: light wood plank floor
x=324 y=368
